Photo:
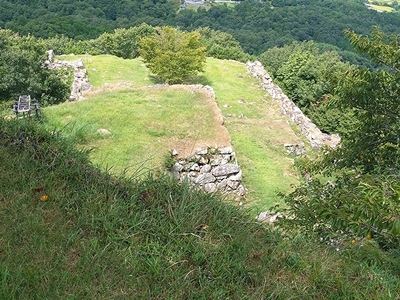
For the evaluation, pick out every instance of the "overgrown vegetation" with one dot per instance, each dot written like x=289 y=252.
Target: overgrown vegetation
x=23 y=71
x=362 y=198
x=71 y=231
x=257 y=25
x=307 y=74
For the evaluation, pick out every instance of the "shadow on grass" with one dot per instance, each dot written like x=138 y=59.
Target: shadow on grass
x=197 y=79
x=155 y=79
x=191 y=79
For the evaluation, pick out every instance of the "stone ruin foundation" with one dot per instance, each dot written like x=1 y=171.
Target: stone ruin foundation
x=211 y=169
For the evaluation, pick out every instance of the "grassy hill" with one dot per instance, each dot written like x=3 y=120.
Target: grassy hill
x=70 y=230
x=147 y=121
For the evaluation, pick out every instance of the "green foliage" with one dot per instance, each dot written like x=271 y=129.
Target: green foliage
x=123 y=42
x=374 y=96
x=23 y=71
x=173 y=54
x=222 y=45
x=274 y=58
x=354 y=206
x=299 y=79
x=304 y=76
x=83 y=20
x=254 y=24
x=332 y=119
x=308 y=76
x=65 y=45
x=258 y=27
x=168 y=161
x=362 y=198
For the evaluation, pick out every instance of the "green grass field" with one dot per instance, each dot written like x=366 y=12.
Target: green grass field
x=145 y=123
x=142 y=124
x=69 y=230
x=106 y=70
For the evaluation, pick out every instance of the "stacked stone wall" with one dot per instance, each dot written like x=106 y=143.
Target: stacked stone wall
x=309 y=129
x=213 y=170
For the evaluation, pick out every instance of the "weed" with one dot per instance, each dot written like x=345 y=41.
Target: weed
x=168 y=161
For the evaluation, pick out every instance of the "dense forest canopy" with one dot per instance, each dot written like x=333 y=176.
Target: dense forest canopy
x=258 y=26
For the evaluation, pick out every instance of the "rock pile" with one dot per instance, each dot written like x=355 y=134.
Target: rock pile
x=211 y=169
x=309 y=129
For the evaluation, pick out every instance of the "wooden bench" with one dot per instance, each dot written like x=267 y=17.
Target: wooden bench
x=27 y=106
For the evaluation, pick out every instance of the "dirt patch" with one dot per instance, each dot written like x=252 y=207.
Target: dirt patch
x=221 y=137
x=105 y=88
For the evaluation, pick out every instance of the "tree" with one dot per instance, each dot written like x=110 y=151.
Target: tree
x=362 y=199
x=274 y=58
x=304 y=72
x=22 y=70
x=173 y=54
x=375 y=97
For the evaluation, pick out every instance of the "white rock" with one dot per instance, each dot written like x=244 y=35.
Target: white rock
x=210 y=187
x=205 y=178
x=225 y=170
x=103 y=131
x=225 y=150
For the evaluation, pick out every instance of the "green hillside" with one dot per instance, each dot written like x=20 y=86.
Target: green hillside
x=87 y=208
x=83 y=218
x=70 y=231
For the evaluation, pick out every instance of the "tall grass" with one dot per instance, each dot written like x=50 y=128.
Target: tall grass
x=102 y=237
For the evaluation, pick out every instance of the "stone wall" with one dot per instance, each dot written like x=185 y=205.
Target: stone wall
x=81 y=81
x=211 y=169
x=309 y=129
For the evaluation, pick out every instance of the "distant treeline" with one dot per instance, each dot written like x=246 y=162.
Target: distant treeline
x=257 y=26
